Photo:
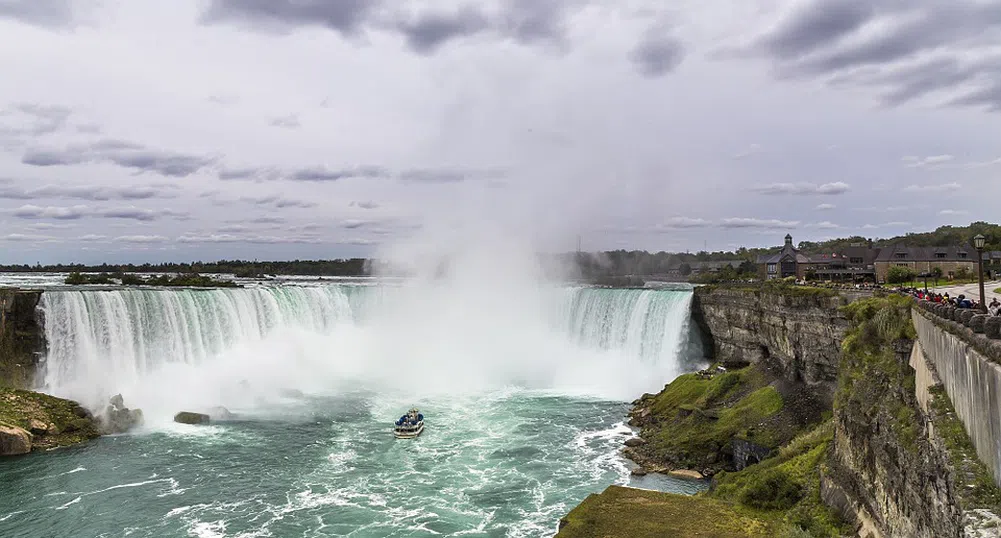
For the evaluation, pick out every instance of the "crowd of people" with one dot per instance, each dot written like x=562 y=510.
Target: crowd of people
x=959 y=301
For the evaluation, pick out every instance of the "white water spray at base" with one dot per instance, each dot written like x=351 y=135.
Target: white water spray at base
x=167 y=350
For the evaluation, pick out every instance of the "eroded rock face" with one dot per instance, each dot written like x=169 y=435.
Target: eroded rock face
x=14 y=441
x=799 y=336
x=884 y=470
x=118 y=418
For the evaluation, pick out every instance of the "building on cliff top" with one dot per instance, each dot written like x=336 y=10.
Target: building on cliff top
x=952 y=261
x=788 y=262
x=861 y=262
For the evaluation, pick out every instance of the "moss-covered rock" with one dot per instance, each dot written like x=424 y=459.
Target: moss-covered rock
x=65 y=422
x=635 y=513
x=693 y=422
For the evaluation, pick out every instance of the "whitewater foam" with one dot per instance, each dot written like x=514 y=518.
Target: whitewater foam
x=167 y=350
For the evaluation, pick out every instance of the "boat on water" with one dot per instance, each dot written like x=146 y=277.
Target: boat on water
x=410 y=425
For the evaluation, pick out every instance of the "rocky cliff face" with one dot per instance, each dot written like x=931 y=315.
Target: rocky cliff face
x=22 y=341
x=798 y=335
x=887 y=471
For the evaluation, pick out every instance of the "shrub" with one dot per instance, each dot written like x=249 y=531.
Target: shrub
x=899 y=275
x=773 y=490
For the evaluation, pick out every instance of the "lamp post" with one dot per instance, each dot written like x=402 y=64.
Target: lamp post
x=978 y=243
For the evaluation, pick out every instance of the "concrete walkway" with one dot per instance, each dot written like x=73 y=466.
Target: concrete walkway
x=972 y=291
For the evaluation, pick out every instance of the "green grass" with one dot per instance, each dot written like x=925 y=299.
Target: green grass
x=997 y=290
x=634 y=513
x=786 y=488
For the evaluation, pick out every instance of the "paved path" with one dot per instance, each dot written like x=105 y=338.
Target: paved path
x=972 y=291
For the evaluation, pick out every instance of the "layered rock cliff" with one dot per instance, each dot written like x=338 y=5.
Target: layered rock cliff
x=886 y=472
x=796 y=332
x=22 y=341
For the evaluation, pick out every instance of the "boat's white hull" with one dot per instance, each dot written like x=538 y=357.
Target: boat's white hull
x=409 y=434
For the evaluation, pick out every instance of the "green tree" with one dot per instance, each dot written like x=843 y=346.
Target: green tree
x=685 y=269
x=899 y=275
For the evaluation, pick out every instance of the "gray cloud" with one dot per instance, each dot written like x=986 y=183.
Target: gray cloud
x=940 y=188
x=658 y=53
x=260 y=173
x=27 y=238
x=448 y=175
x=143 y=215
x=739 y=222
x=276 y=201
x=124 y=154
x=142 y=239
x=82 y=211
x=523 y=21
x=802 y=188
x=89 y=192
x=353 y=224
x=38 y=12
x=921 y=47
x=431 y=30
x=37 y=119
x=286 y=122
x=258 y=239
x=59 y=213
x=322 y=174
x=343 y=16
x=268 y=220
x=926 y=162
x=365 y=205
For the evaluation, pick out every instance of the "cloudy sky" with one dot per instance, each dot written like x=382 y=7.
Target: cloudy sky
x=135 y=130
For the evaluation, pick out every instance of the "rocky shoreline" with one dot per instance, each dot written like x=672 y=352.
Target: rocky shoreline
x=33 y=421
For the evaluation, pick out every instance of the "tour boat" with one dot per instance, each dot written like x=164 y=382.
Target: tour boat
x=410 y=425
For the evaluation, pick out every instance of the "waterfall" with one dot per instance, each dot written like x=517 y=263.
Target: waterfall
x=101 y=341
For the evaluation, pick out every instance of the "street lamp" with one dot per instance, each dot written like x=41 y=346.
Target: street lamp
x=978 y=243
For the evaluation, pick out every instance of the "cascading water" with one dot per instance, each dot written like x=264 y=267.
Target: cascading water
x=523 y=389
x=100 y=342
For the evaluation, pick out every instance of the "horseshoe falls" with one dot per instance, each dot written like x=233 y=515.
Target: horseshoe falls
x=525 y=394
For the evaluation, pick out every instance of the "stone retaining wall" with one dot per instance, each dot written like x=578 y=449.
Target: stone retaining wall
x=967 y=365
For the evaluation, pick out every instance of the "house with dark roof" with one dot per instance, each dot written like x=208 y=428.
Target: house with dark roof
x=855 y=263
x=923 y=260
x=788 y=262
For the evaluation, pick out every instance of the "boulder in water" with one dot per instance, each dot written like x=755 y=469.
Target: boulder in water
x=635 y=441
x=118 y=418
x=188 y=417
x=14 y=441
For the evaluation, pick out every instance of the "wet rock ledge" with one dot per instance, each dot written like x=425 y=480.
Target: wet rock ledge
x=33 y=421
